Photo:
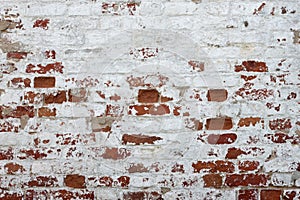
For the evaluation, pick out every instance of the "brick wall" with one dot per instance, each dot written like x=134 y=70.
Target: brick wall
x=185 y=99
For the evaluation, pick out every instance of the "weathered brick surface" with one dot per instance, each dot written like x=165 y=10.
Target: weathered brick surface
x=131 y=99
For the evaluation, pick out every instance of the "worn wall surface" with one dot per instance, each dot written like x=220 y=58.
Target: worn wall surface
x=157 y=99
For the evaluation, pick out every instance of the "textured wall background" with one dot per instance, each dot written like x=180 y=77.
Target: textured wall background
x=170 y=99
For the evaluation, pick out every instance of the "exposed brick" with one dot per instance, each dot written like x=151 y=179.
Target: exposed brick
x=115 y=153
x=235 y=180
x=13 y=168
x=16 y=55
x=219 y=123
x=9 y=127
x=270 y=194
x=280 y=124
x=31 y=153
x=167 y=110
x=41 y=23
x=6 y=154
x=124 y=181
x=20 y=82
x=32 y=97
x=141 y=195
x=226 y=138
x=248 y=165
x=213 y=180
x=11 y=195
x=75 y=181
x=233 y=153
x=126 y=7
x=106 y=181
x=251 y=194
x=249 y=121
x=50 y=54
x=283 y=138
x=212 y=167
x=46 y=112
x=252 y=66
x=49 y=68
x=218 y=95
x=139 y=139
x=77 y=95
x=148 y=96
x=18 y=112
x=44 y=82
x=65 y=194
x=58 y=97
x=178 y=168
x=43 y=181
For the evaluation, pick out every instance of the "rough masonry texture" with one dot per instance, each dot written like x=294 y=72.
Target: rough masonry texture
x=157 y=99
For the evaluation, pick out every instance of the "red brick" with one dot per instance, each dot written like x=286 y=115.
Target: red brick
x=13 y=168
x=18 y=112
x=106 y=181
x=252 y=66
x=49 y=68
x=290 y=195
x=58 y=97
x=46 y=112
x=9 y=127
x=213 y=166
x=43 y=181
x=124 y=181
x=283 y=138
x=114 y=110
x=219 y=123
x=249 y=121
x=235 y=180
x=148 y=96
x=75 y=181
x=6 y=154
x=77 y=95
x=33 y=194
x=139 y=139
x=41 y=23
x=16 y=55
x=178 y=168
x=226 y=138
x=31 y=153
x=165 y=99
x=50 y=54
x=67 y=195
x=248 y=165
x=248 y=78
x=20 y=82
x=115 y=153
x=233 y=153
x=44 y=82
x=251 y=194
x=280 y=124
x=142 y=195
x=11 y=195
x=137 y=168
x=270 y=194
x=212 y=180
x=33 y=97
x=218 y=95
